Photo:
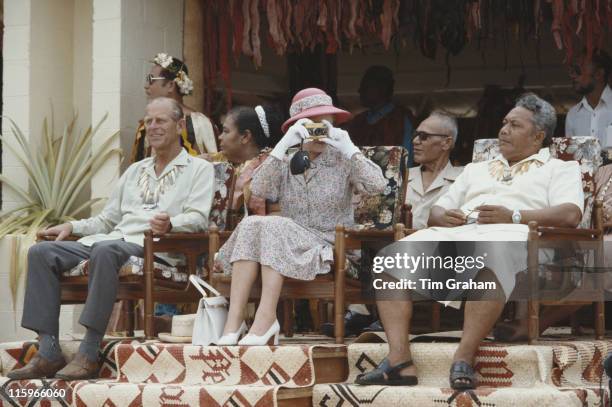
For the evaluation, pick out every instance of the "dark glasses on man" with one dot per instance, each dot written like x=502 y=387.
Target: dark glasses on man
x=423 y=135
x=149 y=78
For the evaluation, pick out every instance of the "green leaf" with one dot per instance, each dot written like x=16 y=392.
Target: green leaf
x=58 y=170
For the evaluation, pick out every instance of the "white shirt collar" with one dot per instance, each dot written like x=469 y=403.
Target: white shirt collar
x=543 y=156
x=606 y=97
x=182 y=159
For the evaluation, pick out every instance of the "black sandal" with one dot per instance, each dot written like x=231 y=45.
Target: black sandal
x=387 y=375
x=462 y=376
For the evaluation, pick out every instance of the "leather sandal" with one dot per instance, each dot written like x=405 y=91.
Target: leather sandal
x=387 y=375
x=462 y=376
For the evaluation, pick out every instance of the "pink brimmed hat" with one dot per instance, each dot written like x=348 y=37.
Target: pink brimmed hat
x=312 y=102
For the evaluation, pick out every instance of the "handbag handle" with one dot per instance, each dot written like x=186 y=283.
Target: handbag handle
x=198 y=283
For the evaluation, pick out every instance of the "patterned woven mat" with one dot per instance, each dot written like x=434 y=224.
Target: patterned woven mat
x=555 y=374
x=538 y=396
x=136 y=374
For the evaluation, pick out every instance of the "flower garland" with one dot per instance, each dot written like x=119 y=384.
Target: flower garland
x=185 y=84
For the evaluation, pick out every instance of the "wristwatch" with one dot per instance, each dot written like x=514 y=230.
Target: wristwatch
x=516 y=216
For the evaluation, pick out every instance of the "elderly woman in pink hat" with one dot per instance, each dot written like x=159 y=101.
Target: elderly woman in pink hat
x=299 y=243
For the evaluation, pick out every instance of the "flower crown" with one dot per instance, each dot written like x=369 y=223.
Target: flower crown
x=185 y=84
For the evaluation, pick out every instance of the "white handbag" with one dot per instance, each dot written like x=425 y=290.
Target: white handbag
x=211 y=314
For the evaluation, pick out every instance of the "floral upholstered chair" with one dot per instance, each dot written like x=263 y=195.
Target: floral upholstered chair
x=384 y=210
x=587 y=152
x=169 y=282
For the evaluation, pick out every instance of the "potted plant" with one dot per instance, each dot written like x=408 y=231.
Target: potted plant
x=58 y=172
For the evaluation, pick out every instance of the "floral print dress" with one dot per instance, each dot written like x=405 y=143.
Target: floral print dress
x=299 y=243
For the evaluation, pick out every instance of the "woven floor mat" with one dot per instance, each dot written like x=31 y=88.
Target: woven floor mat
x=290 y=366
x=325 y=395
x=496 y=366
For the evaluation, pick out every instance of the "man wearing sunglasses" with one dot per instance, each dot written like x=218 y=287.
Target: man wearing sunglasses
x=433 y=142
x=169 y=78
x=592 y=116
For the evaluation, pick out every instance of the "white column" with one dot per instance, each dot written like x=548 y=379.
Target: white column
x=16 y=88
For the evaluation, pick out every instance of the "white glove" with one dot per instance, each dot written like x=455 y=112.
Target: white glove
x=294 y=135
x=340 y=140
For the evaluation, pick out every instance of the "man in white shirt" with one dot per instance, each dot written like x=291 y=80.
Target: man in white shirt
x=592 y=116
x=490 y=201
x=170 y=192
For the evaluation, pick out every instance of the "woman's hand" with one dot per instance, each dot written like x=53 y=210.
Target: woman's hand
x=294 y=135
x=340 y=140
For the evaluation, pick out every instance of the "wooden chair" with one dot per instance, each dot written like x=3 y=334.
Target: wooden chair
x=586 y=151
x=151 y=285
x=374 y=217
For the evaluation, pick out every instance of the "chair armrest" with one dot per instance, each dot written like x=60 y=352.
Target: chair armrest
x=548 y=232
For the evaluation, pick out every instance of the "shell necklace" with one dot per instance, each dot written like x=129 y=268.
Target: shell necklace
x=149 y=193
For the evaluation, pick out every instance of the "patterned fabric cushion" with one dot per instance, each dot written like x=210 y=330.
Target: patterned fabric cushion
x=135 y=266
x=224 y=175
x=383 y=210
x=585 y=150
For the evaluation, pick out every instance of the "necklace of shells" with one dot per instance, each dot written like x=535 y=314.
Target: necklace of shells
x=150 y=195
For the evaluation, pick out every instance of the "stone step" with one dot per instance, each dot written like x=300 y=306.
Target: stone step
x=328 y=395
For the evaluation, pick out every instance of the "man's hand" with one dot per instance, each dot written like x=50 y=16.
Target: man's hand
x=452 y=218
x=160 y=223
x=60 y=232
x=494 y=214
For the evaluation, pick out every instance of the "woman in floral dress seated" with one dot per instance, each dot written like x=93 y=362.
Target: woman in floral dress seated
x=246 y=140
x=299 y=243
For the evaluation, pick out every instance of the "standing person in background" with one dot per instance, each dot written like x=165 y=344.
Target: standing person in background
x=592 y=116
x=383 y=123
x=169 y=78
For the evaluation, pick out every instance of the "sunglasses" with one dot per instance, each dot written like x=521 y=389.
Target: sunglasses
x=423 y=135
x=149 y=78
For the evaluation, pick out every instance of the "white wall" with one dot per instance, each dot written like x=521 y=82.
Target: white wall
x=148 y=27
x=16 y=89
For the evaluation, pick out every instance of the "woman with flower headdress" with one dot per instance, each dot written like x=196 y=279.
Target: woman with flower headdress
x=169 y=78
x=313 y=199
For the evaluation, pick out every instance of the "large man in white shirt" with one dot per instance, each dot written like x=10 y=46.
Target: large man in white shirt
x=170 y=192
x=592 y=116
x=522 y=184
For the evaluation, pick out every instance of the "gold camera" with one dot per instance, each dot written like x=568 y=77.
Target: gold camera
x=316 y=131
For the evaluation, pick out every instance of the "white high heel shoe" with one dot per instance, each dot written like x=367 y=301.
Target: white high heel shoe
x=232 y=337
x=268 y=338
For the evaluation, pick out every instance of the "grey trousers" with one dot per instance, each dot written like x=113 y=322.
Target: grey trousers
x=46 y=262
